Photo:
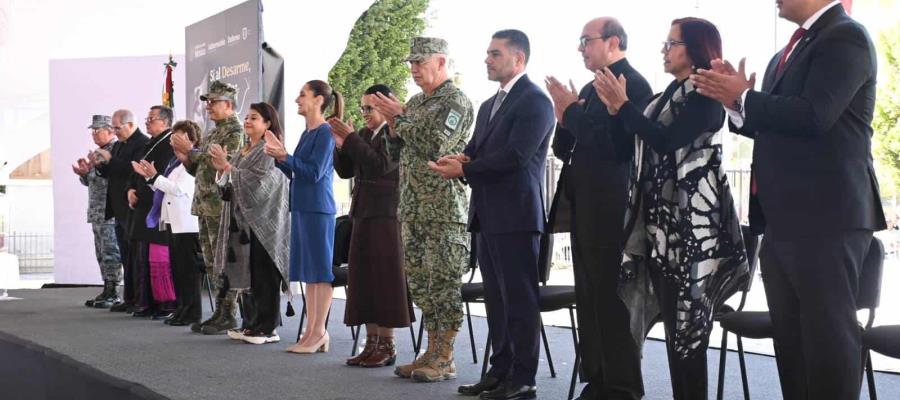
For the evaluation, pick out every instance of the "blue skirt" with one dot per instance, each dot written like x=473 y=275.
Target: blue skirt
x=312 y=247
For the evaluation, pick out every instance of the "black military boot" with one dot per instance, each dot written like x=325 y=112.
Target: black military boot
x=99 y=297
x=110 y=295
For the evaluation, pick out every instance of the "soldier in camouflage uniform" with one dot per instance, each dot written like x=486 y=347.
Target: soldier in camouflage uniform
x=207 y=203
x=105 y=245
x=432 y=212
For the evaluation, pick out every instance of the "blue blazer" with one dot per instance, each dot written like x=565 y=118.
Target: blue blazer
x=508 y=154
x=311 y=173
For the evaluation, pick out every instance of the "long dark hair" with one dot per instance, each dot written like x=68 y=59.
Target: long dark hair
x=270 y=115
x=702 y=40
x=331 y=96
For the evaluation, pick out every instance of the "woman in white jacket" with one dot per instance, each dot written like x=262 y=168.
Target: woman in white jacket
x=177 y=187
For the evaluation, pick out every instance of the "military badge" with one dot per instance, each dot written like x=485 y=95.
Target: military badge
x=453 y=119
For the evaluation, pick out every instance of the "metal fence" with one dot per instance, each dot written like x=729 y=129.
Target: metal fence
x=34 y=250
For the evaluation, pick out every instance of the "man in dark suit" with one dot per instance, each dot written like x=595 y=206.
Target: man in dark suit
x=116 y=166
x=598 y=154
x=504 y=165
x=813 y=190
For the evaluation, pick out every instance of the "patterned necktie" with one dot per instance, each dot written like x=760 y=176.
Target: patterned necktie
x=788 y=50
x=497 y=102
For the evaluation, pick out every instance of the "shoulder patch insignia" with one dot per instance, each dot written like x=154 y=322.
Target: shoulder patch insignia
x=453 y=119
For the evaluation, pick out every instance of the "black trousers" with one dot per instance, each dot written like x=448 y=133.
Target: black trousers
x=140 y=274
x=124 y=251
x=509 y=268
x=187 y=272
x=811 y=284
x=688 y=375
x=265 y=290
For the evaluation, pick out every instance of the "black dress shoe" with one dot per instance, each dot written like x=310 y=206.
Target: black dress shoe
x=485 y=384
x=143 y=313
x=161 y=315
x=120 y=307
x=510 y=392
x=181 y=322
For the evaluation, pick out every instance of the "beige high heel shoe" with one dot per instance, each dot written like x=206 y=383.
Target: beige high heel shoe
x=320 y=346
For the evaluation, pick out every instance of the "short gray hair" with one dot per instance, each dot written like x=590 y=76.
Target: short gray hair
x=125 y=116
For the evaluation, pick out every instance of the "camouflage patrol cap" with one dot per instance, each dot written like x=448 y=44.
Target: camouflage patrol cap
x=101 y=121
x=421 y=47
x=219 y=90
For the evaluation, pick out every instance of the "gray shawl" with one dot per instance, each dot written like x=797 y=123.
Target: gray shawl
x=681 y=220
x=258 y=202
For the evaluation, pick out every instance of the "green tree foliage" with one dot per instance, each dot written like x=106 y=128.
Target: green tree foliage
x=887 y=112
x=378 y=44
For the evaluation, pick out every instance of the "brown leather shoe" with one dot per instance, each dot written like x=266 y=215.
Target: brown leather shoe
x=371 y=343
x=385 y=354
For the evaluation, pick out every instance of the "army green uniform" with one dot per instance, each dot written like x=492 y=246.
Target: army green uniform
x=207 y=203
x=433 y=211
x=106 y=247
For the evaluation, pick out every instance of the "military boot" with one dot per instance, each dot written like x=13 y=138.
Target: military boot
x=405 y=371
x=226 y=319
x=198 y=326
x=110 y=296
x=441 y=366
x=99 y=297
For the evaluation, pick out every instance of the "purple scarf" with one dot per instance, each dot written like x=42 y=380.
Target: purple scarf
x=153 y=215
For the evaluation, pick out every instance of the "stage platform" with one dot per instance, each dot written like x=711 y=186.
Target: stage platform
x=50 y=344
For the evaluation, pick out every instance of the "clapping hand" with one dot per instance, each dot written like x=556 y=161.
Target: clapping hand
x=723 y=83
x=98 y=156
x=562 y=96
x=132 y=198
x=449 y=167
x=81 y=167
x=340 y=130
x=181 y=143
x=388 y=106
x=144 y=168
x=218 y=155
x=274 y=148
x=611 y=90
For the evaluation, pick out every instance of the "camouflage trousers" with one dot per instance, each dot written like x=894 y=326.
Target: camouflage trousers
x=435 y=257
x=209 y=236
x=106 y=247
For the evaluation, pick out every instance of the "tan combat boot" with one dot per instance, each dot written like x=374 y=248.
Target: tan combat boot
x=440 y=367
x=405 y=371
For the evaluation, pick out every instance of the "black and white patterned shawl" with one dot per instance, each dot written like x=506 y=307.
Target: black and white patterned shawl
x=682 y=220
x=258 y=201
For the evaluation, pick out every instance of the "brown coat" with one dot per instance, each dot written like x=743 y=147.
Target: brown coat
x=375 y=189
x=377 y=291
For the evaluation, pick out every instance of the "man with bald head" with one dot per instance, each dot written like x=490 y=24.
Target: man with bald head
x=597 y=153
x=116 y=166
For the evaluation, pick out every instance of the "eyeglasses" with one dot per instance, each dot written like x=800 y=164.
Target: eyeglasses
x=365 y=110
x=585 y=40
x=151 y=119
x=668 y=44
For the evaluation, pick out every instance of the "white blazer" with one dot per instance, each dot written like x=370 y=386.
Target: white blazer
x=176 y=204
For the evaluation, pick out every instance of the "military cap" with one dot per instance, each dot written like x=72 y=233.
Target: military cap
x=101 y=121
x=421 y=47
x=219 y=90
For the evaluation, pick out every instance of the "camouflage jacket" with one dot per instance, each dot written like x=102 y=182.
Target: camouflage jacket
x=97 y=187
x=431 y=127
x=228 y=133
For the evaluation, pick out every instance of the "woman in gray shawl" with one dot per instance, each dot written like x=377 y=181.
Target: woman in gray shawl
x=682 y=221
x=254 y=233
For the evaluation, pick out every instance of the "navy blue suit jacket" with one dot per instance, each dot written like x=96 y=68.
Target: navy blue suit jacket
x=508 y=154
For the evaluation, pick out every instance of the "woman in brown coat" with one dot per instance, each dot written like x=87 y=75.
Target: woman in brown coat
x=376 y=294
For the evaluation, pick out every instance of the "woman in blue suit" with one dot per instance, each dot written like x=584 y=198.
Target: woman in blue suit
x=312 y=207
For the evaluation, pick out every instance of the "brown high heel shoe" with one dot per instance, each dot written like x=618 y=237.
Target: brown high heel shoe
x=371 y=342
x=385 y=354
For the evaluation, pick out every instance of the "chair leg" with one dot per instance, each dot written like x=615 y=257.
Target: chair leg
x=547 y=350
x=723 y=352
x=212 y=305
x=302 y=312
x=870 y=376
x=576 y=365
x=487 y=353
x=471 y=334
x=421 y=331
x=412 y=334
x=355 y=335
x=740 y=343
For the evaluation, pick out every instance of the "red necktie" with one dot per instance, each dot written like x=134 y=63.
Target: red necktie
x=788 y=50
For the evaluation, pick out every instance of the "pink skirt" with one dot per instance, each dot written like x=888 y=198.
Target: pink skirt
x=161 y=274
